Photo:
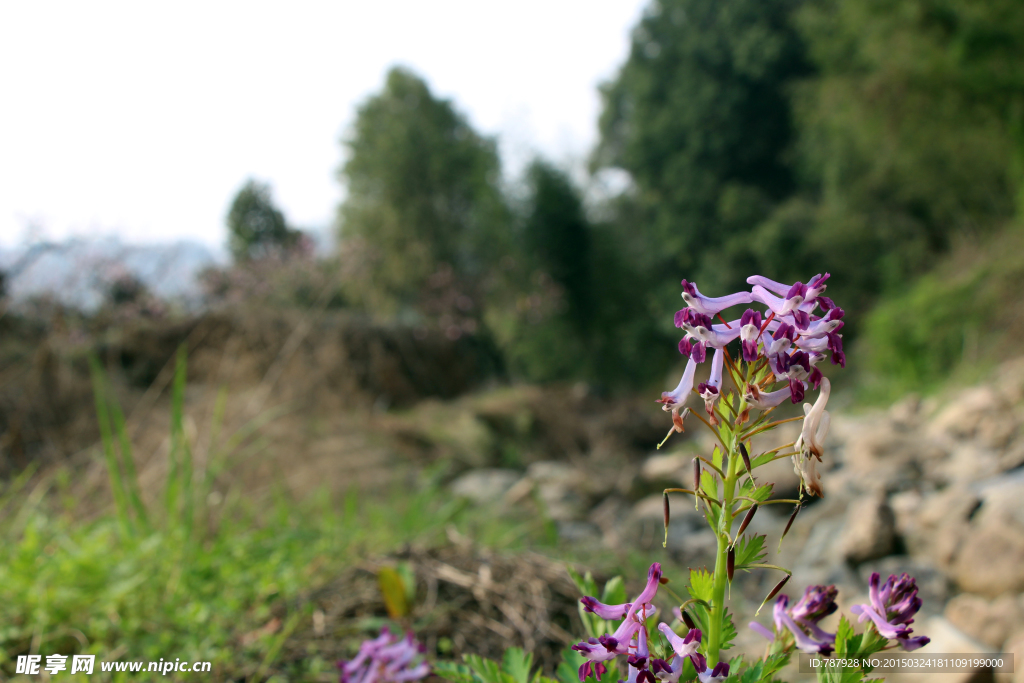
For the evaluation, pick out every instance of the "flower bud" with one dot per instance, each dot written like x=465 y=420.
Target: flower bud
x=730 y=562
x=778 y=587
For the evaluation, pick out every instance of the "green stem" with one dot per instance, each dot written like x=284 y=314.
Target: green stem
x=721 y=578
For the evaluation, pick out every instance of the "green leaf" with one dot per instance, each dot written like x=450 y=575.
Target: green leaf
x=614 y=591
x=517 y=664
x=702 y=584
x=487 y=670
x=392 y=589
x=844 y=634
x=456 y=673
x=716 y=457
x=750 y=550
x=759 y=493
x=568 y=670
x=728 y=630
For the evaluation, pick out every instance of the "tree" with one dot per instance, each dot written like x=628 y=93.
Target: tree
x=256 y=227
x=422 y=191
x=911 y=133
x=557 y=237
x=699 y=116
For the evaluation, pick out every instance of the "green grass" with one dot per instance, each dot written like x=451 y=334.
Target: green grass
x=68 y=587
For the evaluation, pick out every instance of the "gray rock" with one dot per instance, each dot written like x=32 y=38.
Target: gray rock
x=485 y=486
x=988 y=621
x=869 y=531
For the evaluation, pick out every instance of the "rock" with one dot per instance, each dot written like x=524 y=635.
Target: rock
x=870 y=530
x=671 y=468
x=885 y=457
x=906 y=412
x=485 y=486
x=945 y=639
x=991 y=559
x=982 y=413
x=938 y=524
x=689 y=537
x=608 y=516
x=988 y=621
x=1014 y=645
x=561 y=489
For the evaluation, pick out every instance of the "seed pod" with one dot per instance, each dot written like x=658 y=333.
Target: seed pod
x=696 y=475
x=663 y=580
x=688 y=620
x=746 y=459
x=730 y=562
x=664 y=543
x=778 y=587
x=746 y=519
x=790 y=522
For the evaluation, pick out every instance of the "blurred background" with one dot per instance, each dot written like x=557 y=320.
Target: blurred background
x=322 y=317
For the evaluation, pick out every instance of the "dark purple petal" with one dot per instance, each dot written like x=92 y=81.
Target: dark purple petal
x=685 y=346
x=815 y=378
x=802 y=319
x=797 y=290
x=698 y=352
x=796 y=390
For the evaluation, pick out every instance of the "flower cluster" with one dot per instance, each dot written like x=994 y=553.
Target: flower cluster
x=790 y=337
x=801 y=620
x=631 y=639
x=892 y=607
x=387 y=658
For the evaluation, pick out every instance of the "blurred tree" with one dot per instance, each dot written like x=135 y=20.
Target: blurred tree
x=256 y=227
x=911 y=134
x=423 y=192
x=557 y=237
x=699 y=116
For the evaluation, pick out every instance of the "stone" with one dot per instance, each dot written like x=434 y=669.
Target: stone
x=990 y=560
x=1014 y=645
x=486 y=485
x=671 y=467
x=870 y=530
x=945 y=638
x=980 y=412
x=561 y=489
x=988 y=621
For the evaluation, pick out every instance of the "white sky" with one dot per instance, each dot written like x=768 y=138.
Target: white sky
x=143 y=119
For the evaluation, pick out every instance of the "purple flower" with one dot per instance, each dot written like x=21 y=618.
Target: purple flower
x=685 y=346
x=750 y=330
x=765 y=400
x=892 y=608
x=709 y=390
x=632 y=629
x=782 y=338
x=717 y=675
x=686 y=646
x=709 y=306
x=810 y=643
x=817 y=603
x=698 y=352
x=386 y=659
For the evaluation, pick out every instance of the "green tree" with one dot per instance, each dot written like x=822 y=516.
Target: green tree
x=557 y=237
x=910 y=135
x=257 y=228
x=423 y=191
x=699 y=116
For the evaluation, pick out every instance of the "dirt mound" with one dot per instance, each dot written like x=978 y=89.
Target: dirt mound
x=468 y=600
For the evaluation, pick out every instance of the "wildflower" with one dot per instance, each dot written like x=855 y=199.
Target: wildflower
x=709 y=390
x=815 y=642
x=386 y=659
x=892 y=607
x=764 y=400
x=750 y=330
x=716 y=675
x=634 y=615
x=709 y=306
x=685 y=646
x=810 y=445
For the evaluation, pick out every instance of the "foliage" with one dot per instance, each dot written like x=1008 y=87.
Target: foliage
x=422 y=192
x=953 y=321
x=909 y=135
x=256 y=227
x=699 y=117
